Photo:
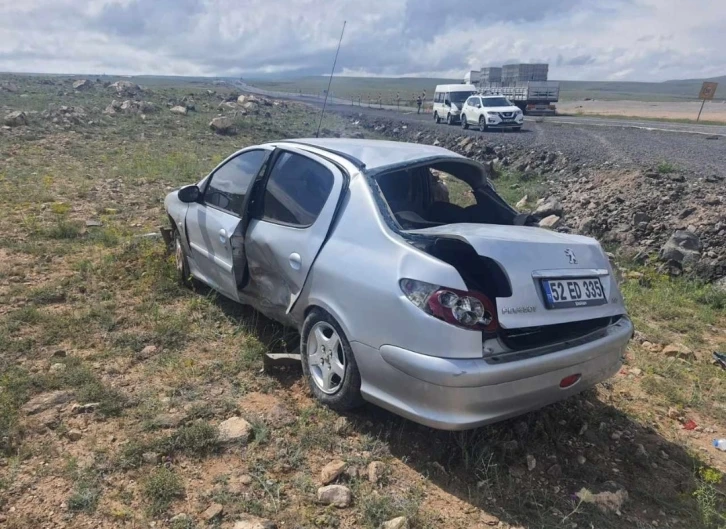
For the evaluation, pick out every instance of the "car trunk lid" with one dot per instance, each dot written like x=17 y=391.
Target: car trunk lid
x=528 y=256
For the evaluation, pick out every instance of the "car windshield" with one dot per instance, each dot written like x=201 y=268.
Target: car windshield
x=460 y=97
x=496 y=102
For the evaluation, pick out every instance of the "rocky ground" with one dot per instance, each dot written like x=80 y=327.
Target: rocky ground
x=662 y=213
x=127 y=400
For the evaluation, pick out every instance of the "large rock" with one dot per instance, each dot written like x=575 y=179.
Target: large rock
x=376 y=469
x=551 y=206
x=684 y=247
x=82 y=84
x=125 y=88
x=235 y=429
x=248 y=521
x=222 y=125
x=16 y=119
x=331 y=471
x=179 y=110
x=47 y=400
x=337 y=495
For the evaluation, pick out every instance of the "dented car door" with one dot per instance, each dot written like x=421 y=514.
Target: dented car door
x=289 y=226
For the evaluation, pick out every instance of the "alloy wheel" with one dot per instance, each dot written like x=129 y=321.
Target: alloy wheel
x=326 y=358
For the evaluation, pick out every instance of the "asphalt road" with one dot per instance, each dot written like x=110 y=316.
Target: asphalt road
x=691 y=148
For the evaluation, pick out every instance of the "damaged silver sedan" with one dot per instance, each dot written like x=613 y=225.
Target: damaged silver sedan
x=413 y=284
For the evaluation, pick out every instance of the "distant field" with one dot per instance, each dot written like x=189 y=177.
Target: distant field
x=388 y=88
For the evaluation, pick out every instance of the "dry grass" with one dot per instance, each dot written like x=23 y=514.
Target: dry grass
x=79 y=306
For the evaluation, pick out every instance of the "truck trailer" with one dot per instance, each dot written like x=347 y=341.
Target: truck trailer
x=536 y=98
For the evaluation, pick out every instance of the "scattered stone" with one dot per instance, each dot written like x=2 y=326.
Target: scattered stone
x=397 y=523
x=640 y=451
x=605 y=501
x=148 y=352
x=235 y=429
x=151 y=458
x=531 y=462
x=89 y=407
x=581 y=459
x=179 y=110
x=213 y=512
x=47 y=400
x=616 y=435
x=16 y=119
x=93 y=223
x=337 y=495
x=74 y=435
x=57 y=367
x=331 y=471
x=522 y=202
x=223 y=125
x=551 y=206
x=248 y=521
x=551 y=221
x=375 y=471
x=636 y=371
x=341 y=426
x=677 y=350
x=555 y=471
x=180 y=519
x=82 y=84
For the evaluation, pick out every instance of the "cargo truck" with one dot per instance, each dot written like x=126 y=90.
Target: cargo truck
x=536 y=98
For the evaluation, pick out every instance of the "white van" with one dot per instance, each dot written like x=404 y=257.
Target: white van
x=449 y=99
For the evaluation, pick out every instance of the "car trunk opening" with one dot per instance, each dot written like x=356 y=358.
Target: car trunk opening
x=510 y=264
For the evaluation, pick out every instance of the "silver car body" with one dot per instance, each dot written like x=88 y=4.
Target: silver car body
x=351 y=260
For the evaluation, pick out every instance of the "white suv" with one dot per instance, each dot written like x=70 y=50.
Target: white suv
x=491 y=112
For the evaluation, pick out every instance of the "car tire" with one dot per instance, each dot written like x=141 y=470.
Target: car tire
x=449 y=119
x=181 y=261
x=324 y=349
x=482 y=124
x=436 y=118
x=464 y=124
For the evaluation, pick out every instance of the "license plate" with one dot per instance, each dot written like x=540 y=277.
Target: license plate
x=568 y=293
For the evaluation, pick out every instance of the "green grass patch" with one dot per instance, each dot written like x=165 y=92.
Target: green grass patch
x=161 y=489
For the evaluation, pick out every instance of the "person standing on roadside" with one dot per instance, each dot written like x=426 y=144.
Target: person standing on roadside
x=418 y=104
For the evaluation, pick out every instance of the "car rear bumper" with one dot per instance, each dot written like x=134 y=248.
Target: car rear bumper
x=453 y=394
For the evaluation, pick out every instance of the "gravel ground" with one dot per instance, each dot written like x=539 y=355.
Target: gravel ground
x=588 y=144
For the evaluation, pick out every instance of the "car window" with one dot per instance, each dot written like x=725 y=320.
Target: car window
x=229 y=183
x=296 y=190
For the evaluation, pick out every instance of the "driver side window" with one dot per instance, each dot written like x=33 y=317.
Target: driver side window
x=229 y=184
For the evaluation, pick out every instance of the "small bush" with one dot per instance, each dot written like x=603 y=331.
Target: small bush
x=64 y=229
x=666 y=168
x=161 y=488
x=197 y=439
x=84 y=497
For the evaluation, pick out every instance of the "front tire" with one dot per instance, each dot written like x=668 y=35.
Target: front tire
x=181 y=261
x=328 y=362
x=482 y=123
x=449 y=119
x=436 y=118
x=464 y=124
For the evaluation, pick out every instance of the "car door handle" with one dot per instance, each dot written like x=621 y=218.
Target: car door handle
x=222 y=236
x=295 y=261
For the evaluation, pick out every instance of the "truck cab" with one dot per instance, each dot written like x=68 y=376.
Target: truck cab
x=449 y=100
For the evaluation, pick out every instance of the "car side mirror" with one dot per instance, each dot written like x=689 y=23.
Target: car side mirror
x=478 y=106
x=447 y=103
x=189 y=194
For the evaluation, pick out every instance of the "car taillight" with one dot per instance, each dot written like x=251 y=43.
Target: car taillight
x=467 y=309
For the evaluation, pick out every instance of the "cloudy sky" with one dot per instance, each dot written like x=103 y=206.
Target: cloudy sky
x=581 y=39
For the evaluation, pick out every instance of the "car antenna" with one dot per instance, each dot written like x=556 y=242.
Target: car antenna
x=325 y=102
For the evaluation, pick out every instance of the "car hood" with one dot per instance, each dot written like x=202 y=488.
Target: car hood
x=500 y=109
x=529 y=254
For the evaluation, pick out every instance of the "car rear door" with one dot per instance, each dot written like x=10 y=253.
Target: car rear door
x=213 y=224
x=290 y=225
